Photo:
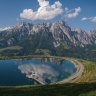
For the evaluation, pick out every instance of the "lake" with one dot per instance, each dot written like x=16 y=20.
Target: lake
x=18 y=72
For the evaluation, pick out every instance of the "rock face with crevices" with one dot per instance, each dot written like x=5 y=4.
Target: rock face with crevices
x=49 y=36
x=59 y=30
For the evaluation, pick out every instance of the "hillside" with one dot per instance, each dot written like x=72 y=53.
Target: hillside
x=56 y=38
x=83 y=89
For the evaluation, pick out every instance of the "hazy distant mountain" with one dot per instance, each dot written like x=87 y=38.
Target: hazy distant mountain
x=47 y=37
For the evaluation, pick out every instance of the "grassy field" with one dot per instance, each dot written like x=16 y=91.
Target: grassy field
x=86 y=89
x=33 y=56
x=11 y=48
x=89 y=74
x=43 y=51
x=84 y=86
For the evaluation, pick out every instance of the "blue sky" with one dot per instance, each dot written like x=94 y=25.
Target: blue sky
x=10 y=11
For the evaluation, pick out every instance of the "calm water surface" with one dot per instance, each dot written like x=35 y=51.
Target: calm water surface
x=15 y=72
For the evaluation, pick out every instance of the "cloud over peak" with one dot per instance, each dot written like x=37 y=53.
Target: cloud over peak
x=72 y=13
x=44 y=12
x=84 y=18
x=92 y=19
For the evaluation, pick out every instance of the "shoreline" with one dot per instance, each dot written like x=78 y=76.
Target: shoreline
x=70 y=79
x=76 y=75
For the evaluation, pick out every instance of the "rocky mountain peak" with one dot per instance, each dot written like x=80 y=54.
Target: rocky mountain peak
x=23 y=24
x=3 y=29
x=92 y=35
x=61 y=22
x=92 y=32
x=79 y=30
x=60 y=31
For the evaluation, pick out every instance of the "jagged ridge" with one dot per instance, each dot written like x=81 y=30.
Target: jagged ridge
x=46 y=36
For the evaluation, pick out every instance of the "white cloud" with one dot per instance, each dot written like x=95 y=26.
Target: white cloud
x=66 y=9
x=44 y=12
x=92 y=19
x=84 y=18
x=72 y=13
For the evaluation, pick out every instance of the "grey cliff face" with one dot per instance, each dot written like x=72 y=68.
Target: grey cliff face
x=92 y=35
x=61 y=32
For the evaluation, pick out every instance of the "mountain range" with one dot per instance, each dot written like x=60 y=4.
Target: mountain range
x=56 y=38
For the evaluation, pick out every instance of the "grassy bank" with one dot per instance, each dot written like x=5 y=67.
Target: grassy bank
x=33 y=56
x=11 y=48
x=86 y=89
x=89 y=74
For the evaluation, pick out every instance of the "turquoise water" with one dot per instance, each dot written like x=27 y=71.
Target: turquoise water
x=15 y=72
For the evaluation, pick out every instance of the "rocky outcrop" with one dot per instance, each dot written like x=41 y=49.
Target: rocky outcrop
x=60 y=30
